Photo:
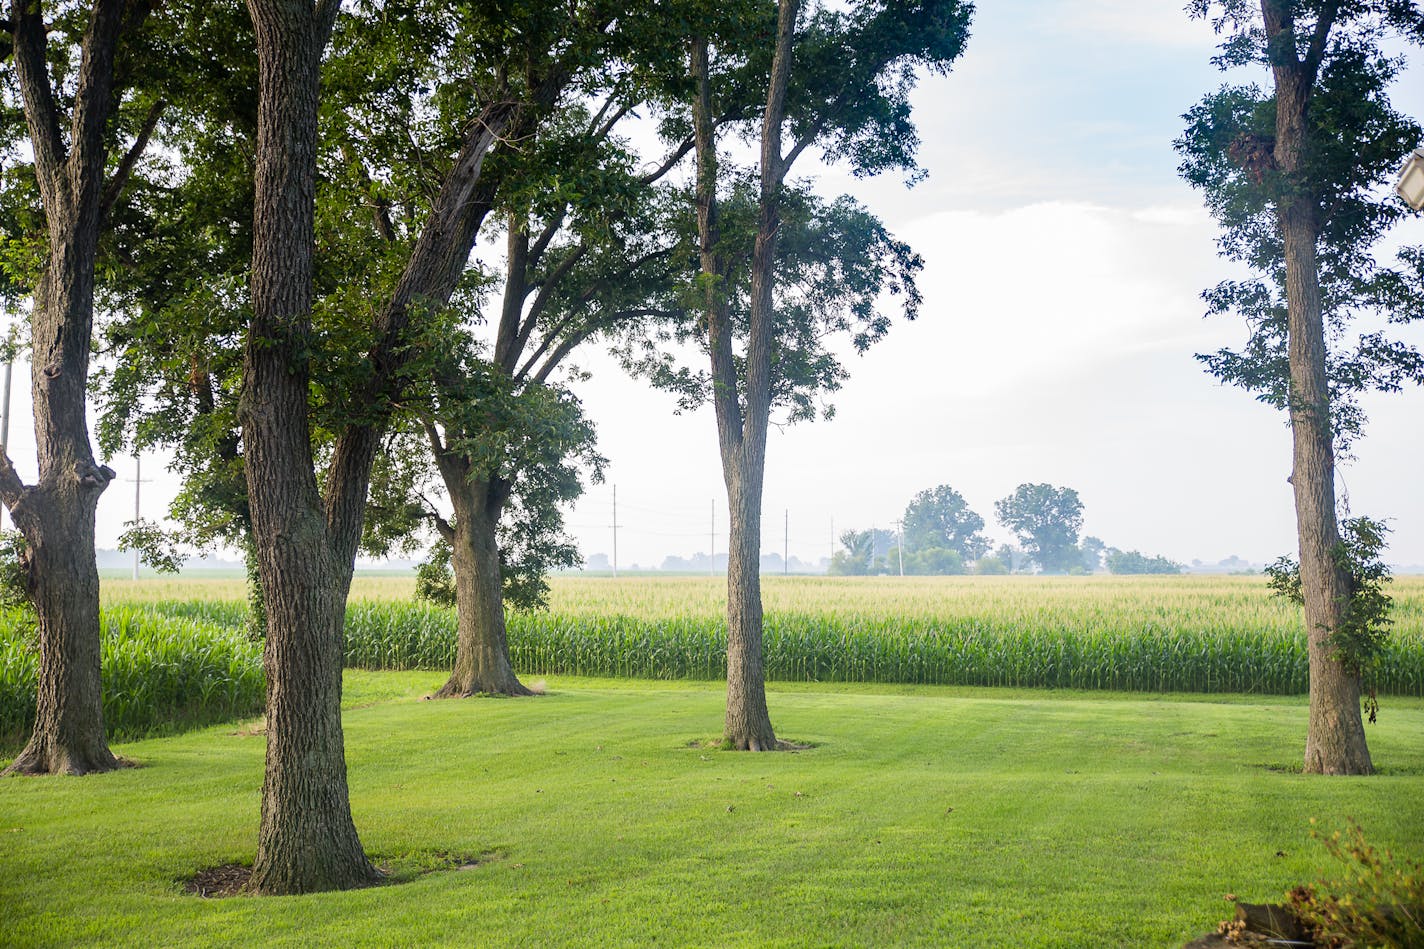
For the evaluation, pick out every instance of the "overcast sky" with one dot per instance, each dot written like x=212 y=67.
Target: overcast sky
x=1063 y=262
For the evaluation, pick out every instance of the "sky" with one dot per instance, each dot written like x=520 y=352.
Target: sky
x=1063 y=263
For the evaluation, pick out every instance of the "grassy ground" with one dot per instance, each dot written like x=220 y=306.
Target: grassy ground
x=922 y=816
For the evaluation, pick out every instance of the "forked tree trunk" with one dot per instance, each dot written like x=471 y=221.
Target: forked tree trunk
x=1335 y=740
x=307 y=840
x=56 y=515
x=743 y=406
x=482 y=665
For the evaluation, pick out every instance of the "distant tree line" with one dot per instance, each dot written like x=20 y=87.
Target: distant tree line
x=941 y=535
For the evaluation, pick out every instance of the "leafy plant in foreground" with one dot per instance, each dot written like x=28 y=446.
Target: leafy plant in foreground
x=1375 y=901
x=1360 y=638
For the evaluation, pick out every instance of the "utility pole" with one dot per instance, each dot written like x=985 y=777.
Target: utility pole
x=786 y=544
x=138 y=480
x=615 y=532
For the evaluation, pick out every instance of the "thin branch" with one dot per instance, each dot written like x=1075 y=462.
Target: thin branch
x=115 y=185
x=606 y=128
x=12 y=489
x=571 y=342
x=547 y=286
x=541 y=243
x=380 y=207
x=431 y=432
x=40 y=112
x=1318 y=39
x=669 y=163
x=801 y=143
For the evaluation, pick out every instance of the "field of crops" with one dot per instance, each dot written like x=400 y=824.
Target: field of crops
x=162 y=672
x=177 y=654
x=1187 y=634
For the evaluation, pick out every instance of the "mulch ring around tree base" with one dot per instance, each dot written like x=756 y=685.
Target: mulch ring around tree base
x=212 y=882
x=230 y=879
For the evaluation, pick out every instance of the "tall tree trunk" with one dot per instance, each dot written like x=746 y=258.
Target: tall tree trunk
x=748 y=724
x=57 y=520
x=743 y=411
x=1335 y=740
x=307 y=840
x=482 y=665
x=56 y=515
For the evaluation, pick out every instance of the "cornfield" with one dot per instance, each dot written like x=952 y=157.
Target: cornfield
x=1180 y=634
x=161 y=673
x=175 y=654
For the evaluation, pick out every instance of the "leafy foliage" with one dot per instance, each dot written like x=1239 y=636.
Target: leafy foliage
x=1134 y=562
x=1372 y=899
x=1356 y=140
x=1364 y=630
x=156 y=547
x=838 y=269
x=15 y=572
x=941 y=518
x=1046 y=520
x=434 y=581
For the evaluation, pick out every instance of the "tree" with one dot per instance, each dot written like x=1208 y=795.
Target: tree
x=838 y=80
x=941 y=518
x=1092 y=550
x=1293 y=177
x=865 y=552
x=1134 y=562
x=992 y=565
x=324 y=380
x=857 y=556
x=589 y=244
x=506 y=442
x=71 y=74
x=307 y=840
x=928 y=561
x=1046 y=520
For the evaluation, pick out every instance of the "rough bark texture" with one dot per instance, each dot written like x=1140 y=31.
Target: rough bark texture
x=56 y=515
x=307 y=840
x=482 y=665
x=743 y=412
x=1335 y=742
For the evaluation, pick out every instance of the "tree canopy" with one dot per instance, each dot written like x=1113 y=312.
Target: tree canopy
x=1046 y=520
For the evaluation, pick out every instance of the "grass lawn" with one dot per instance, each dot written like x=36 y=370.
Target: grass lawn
x=934 y=816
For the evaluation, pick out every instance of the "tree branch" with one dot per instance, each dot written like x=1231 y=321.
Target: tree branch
x=115 y=185
x=541 y=243
x=40 y=113
x=572 y=342
x=547 y=286
x=93 y=105
x=1313 y=56
x=12 y=489
x=670 y=163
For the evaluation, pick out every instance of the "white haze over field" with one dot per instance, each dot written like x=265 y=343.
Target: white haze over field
x=1063 y=263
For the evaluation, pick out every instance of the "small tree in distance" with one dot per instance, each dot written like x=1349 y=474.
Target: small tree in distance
x=1135 y=562
x=939 y=519
x=1046 y=520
